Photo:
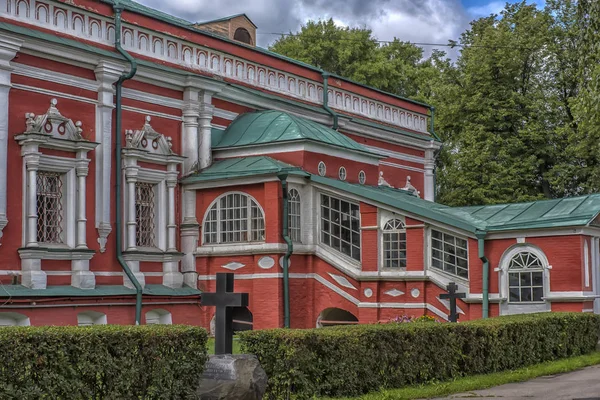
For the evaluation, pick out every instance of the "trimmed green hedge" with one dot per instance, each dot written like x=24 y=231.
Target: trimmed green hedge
x=353 y=360
x=101 y=362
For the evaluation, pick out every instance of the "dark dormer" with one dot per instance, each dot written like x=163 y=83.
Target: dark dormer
x=236 y=27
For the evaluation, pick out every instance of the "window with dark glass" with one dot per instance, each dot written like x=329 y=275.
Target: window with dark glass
x=340 y=225
x=449 y=254
x=525 y=278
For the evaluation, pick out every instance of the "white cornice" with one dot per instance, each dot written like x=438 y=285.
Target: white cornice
x=395 y=154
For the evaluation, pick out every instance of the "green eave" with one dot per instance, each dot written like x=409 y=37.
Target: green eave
x=99 y=291
x=555 y=213
x=242 y=167
x=271 y=127
x=401 y=200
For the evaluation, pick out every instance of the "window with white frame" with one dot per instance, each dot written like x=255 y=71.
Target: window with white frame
x=525 y=278
x=294 y=216
x=342 y=174
x=322 y=168
x=340 y=225
x=362 y=177
x=145 y=218
x=49 y=186
x=394 y=244
x=234 y=218
x=449 y=254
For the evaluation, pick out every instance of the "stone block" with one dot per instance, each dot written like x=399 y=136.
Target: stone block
x=232 y=377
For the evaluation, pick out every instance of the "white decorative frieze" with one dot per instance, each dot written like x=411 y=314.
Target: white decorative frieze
x=394 y=292
x=233 y=266
x=342 y=281
x=83 y=24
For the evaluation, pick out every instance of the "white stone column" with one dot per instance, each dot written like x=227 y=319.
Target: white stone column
x=31 y=160
x=130 y=206
x=82 y=173
x=429 y=179
x=189 y=244
x=171 y=224
x=9 y=46
x=134 y=266
x=107 y=74
x=205 y=129
x=191 y=110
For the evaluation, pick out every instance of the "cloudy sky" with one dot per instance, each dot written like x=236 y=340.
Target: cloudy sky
x=427 y=21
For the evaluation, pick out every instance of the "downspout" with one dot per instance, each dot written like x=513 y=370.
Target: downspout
x=288 y=253
x=118 y=9
x=326 y=76
x=485 y=308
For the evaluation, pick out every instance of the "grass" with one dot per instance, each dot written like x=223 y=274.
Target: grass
x=478 y=382
x=211 y=346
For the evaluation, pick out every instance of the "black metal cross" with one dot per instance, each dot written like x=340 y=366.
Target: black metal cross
x=224 y=299
x=452 y=295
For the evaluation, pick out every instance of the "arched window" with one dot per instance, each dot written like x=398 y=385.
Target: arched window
x=242 y=35
x=13 y=319
x=158 y=317
x=89 y=318
x=234 y=218
x=394 y=244
x=336 y=316
x=294 y=215
x=525 y=278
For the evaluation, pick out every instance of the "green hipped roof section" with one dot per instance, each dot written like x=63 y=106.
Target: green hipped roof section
x=268 y=127
x=100 y=291
x=212 y=21
x=555 y=213
x=242 y=167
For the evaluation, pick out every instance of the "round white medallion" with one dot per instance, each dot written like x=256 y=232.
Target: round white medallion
x=414 y=292
x=266 y=262
x=281 y=262
x=368 y=293
x=322 y=168
x=342 y=174
x=362 y=177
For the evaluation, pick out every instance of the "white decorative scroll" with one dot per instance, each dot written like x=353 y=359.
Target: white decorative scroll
x=342 y=281
x=84 y=24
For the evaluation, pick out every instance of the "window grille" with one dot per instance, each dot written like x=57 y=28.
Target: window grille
x=340 y=226
x=234 y=218
x=525 y=278
x=49 y=207
x=342 y=174
x=394 y=244
x=362 y=177
x=449 y=254
x=145 y=215
x=322 y=168
x=294 y=216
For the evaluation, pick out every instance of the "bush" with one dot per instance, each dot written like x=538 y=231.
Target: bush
x=350 y=361
x=101 y=362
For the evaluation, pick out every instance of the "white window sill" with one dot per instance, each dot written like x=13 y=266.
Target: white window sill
x=55 y=252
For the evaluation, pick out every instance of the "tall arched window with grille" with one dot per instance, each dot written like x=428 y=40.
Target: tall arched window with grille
x=234 y=218
x=294 y=216
x=525 y=278
x=394 y=244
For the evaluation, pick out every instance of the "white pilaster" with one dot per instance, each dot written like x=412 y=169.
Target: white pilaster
x=107 y=74
x=171 y=224
x=189 y=244
x=32 y=275
x=429 y=181
x=81 y=276
x=31 y=159
x=130 y=224
x=191 y=110
x=9 y=47
x=134 y=266
x=82 y=173
x=205 y=130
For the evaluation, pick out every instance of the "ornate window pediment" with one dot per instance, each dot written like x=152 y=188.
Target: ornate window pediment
x=149 y=145
x=53 y=130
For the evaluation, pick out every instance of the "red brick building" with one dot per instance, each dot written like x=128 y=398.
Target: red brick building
x=131 y=174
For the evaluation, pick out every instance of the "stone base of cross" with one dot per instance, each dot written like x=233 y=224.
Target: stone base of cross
x=452 y=295
x=224 y=299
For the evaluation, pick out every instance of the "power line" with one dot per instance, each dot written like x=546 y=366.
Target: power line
x=451 y=43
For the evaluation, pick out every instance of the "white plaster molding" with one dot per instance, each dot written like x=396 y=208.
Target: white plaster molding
x=400 y=166
x=342 y=281
x=266 y=262
x=368 y=292
x=233 y=266
x=394 y=292
x=446 y=303
x=395 y=154
x=415 y=292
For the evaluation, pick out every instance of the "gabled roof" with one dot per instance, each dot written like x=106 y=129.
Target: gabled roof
x=241 y=167
x=226 y=19
x=555 y=213
x=269 y=127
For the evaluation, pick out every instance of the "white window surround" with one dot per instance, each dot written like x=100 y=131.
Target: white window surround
x=385 y=218
x=295 y=215
x=13 y=319
x=342 y=173
x=159 y=317
x=362 y=177
x=319 y=222
x=89 y=318
x=322 y=168
x=251 y=201
x=54 y=131
x=151 y=147
x=506 y=307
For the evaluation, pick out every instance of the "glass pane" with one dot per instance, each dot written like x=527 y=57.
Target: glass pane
x=513 y=279
x=525 y=279
x=526 y=294
x=514 y=294
x=538 y=278
x=538 y=293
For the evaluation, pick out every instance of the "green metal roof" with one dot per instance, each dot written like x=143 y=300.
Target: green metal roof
x=99 y=291
x=555 y=213
x=242 y=167
x=267 y=127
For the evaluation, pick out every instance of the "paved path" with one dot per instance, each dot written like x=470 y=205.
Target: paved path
x=579 y=385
